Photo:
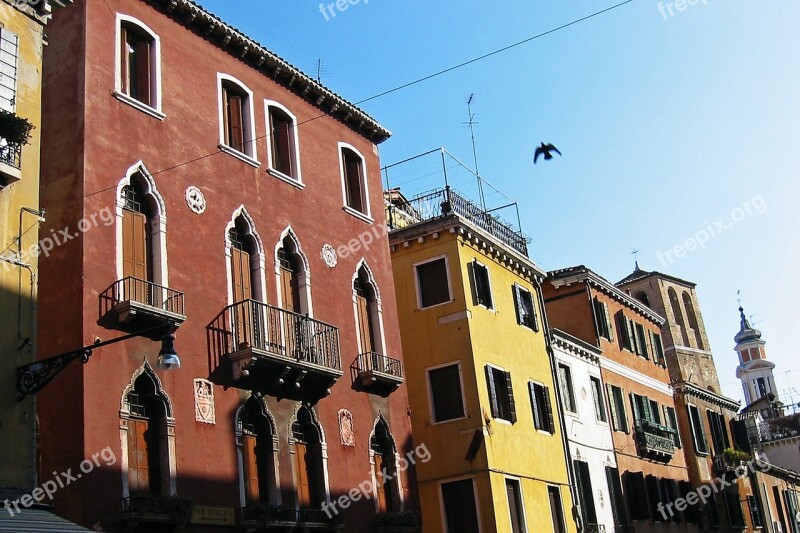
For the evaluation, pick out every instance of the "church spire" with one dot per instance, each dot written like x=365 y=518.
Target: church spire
x=754 y=370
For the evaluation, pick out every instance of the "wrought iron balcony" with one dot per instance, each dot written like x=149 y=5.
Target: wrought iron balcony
x=655 y=441
x=153 y=509
x=442 y=202
x=377 y=373
x=10 y=162
x=138 y=303
x=263 y=516
x=274 y=351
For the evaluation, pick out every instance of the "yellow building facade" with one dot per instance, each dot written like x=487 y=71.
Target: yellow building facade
x=21 y=47
x=480 y=378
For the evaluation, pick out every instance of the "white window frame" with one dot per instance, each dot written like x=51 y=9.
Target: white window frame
x=417 y=285
x=248 y=121
x=475 y=496
x=366 y=217
x=524 y=516
x=295 y=146
x=431 y=410
x=155 y=76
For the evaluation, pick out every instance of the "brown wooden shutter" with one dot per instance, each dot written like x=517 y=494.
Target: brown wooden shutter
x=549 y=410
x=538 y=423
x=290 y=296
x=512 y=405
x=380 y=484
x=303 y=486
x=242 y=290
x=353 y=174
x=250 y=460
x=143 y=71
x=235 y=125
x=364 y=325
x=124 y=61
x=138 y=460
x=283 y=142
x=134 y=244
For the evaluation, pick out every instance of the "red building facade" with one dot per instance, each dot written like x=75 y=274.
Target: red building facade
x=212 y=191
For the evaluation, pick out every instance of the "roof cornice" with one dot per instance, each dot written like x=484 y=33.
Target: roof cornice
x=690 y=389
x=567 y=276
x=239 y=45
x=575 y=346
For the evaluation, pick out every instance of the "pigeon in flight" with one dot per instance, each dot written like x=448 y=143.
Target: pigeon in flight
x=545 y=149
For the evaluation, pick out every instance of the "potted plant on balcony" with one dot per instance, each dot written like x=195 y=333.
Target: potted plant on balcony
x=14 y=129
x=406 y=522
x=734 y=458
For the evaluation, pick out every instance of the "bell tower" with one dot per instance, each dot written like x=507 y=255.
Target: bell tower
x=755 y=371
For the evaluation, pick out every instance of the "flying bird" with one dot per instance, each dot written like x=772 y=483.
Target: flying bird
x=545 y=149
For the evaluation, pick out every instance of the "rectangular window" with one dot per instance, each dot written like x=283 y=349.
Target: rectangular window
x=599 y=400
x=501 y=394
x=604 y=326
x=526 y=308
x=9 y=53
x=719 y=434
x=233 y=112
x=281 y=142
x=698 y=431
x=481 y=290
x=583 y=480
x=776 y=495
x=658 y=349
x=556 y=510
x=446 y=395
x=354 y=177
x=655 y=412
x=735 y=511
x=514 y=493
x=672 y=422
x=460 y=507
x=433 y=283
x=619 y=416
x=755 y=512
x=542 y=408
x=136 y=61
x=625 y=332
x=641 y=339
x=635 y=488
x=642 y=408
x=617 y=499
x=567 y=392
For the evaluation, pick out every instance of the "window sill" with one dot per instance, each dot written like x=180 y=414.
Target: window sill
x=545 y=433
x=239 y=155
x=435 y=305
x=448 y=421
x=141 y=106
x=358 y=214
x=285 y=178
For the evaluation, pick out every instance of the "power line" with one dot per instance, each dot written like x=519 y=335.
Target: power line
x=411 y=83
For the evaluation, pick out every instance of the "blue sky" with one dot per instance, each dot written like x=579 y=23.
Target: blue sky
x=666 y=124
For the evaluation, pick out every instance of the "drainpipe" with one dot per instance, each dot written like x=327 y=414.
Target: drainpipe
x=561 y=419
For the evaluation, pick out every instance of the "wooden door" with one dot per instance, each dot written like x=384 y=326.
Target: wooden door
x=365 y=325
x=242 y=291
x=380 y=484
x=303 y=481
x=134 y=244
x=138 y=460
x=250 y=460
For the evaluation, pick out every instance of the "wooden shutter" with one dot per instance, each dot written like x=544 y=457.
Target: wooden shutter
x=617 y=499
x=134 y=244
x=538 y=423
x=460 y=509
x=380 y=484
x=585 y=491
x=240 y=274
x=518 y=304
x=353 y=179
x=624 y=331
x=125 y=61
x=609 y=324
x=637 y=415
x=493 y=403
x=512 y=405
x=290 y=295
x=364 y=325
x=283 y=142
x=143 y=85
x=234 y=123
x=612 y=403
x=549 y=411
x=138 y=458
x=250 y=461
x=303 y=485
x=534 y=312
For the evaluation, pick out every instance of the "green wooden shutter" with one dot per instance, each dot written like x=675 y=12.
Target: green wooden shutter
x=537 y=415
x=613 y=406
x=512 y=406
x=549 y=410
x=609 y=326
x=492 y=392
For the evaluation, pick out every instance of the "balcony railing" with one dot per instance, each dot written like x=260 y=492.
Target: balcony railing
x=274 y=350
x=265 y=516
x=445 y=201
x=655 y=441
x=157 y=509
x=372 y=370
x=11 y=154
x=131 y=298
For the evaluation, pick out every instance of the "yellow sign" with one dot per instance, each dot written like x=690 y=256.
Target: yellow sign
x=214 y=516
